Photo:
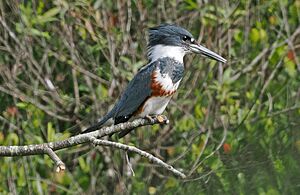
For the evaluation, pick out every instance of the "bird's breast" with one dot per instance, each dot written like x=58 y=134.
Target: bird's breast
x=162 y=89
x=162 y=84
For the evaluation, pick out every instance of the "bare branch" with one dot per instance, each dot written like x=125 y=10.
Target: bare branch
x=140 y=152
x=74 y=140
x=60 y=166
x=92 y=137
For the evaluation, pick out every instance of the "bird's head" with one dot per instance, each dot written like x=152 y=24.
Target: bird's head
x=168 y=40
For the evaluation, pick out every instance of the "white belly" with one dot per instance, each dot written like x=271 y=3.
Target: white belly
x=162 y=90
x=155 y=106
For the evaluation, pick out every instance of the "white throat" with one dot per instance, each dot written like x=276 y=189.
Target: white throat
x=160 y=51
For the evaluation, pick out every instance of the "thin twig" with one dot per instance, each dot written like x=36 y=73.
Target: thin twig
x=129 y=164
x=140 y=152
x=195 y=165
x=225 y=131
x=60 y=166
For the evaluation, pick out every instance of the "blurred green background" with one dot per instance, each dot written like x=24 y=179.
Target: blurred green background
x=234 y=128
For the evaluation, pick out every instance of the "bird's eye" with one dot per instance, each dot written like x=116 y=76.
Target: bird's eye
x=186 y=38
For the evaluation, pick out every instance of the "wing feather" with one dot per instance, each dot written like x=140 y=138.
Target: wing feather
x=137 y=91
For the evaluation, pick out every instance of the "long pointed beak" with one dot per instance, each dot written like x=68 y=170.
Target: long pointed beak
x=197 y=48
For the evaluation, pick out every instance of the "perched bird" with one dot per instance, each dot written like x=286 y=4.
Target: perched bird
x=151 y=89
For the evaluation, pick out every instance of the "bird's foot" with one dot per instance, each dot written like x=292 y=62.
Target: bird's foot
x=150 y=118
x=159 y=118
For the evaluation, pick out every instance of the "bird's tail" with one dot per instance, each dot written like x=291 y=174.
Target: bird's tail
x=124 y=132
x=100 y=123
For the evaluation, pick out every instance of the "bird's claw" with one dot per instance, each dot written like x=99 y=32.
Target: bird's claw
x=159 y=118
x=150 y=118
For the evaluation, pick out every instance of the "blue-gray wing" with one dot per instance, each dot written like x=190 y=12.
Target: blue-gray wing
x=137 y=91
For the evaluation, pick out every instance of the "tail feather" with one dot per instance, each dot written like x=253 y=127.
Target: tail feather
x=124 y=132
x=98 y=124
x=117 y=120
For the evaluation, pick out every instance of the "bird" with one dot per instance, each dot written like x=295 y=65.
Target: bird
x=151 y=89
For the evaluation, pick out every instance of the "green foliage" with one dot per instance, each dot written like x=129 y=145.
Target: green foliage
x=234 y=128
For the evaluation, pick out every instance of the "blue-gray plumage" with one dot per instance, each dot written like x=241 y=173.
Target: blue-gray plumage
x=151 y=89
x=171 y=67
x=166 y=34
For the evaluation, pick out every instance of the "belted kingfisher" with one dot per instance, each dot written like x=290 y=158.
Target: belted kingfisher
x=151 y=89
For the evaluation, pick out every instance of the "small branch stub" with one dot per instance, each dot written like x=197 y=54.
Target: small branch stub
x=60 y=168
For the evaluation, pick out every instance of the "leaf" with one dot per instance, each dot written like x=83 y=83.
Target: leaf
x=47 y=16
x=279 y=166
x=126 y=60
x=238 y=36
x=12 y=139
x=36 y=123
x=83 y=165
x=171 y=183
x=191 y=4
x=82 y=32
x=241 y=178
x=22 y=105
x=199 y=111
x=83 y=88
x=254 y=35
x=262 y=35
x=50 y=132
x=152 y=190
x=51 y=12
x=290 y=67
x=272 y=191
x=36 y=32
x=226 y=76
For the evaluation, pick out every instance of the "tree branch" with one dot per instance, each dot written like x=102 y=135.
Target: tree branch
x=60 y=166
x=92 y=137
x=140 y=152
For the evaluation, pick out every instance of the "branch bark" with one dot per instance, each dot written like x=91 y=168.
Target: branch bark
x=94 y=138
x=140 y=152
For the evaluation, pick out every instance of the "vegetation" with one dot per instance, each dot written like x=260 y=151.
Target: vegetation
x=233 y=129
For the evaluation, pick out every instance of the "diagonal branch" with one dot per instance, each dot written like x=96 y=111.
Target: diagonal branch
x=60 y=166
x=140 y=152
x=74 y=140
x=92 y=137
